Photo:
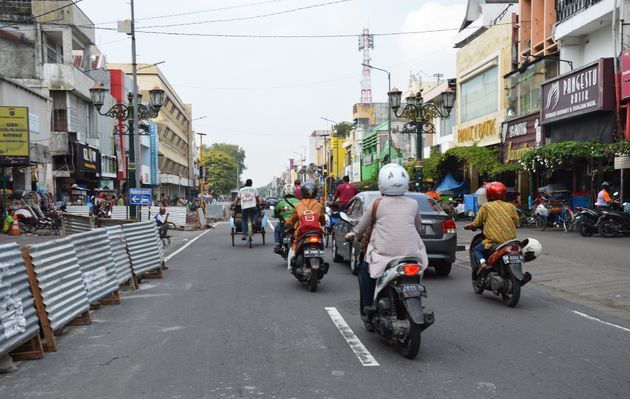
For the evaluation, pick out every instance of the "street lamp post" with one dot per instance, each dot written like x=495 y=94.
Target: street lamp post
x=128 y=113
x=420 y=112
x=201 y=182
x=389 y=113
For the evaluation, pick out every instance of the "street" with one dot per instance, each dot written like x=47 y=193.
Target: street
x=229 y=322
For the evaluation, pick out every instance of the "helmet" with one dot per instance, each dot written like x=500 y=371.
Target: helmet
x=605 y=184
x=288 y=190
x=532 y=249
x=393 y=179
x=495 y=191
x=309 y=190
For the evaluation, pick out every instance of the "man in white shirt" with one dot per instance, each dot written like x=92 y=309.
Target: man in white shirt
x=248 y=197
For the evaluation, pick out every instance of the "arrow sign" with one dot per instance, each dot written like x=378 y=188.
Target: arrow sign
x=140 y=196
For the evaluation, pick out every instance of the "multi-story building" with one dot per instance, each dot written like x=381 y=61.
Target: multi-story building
x=50 y=48
x=443 y=138
x=176 y=141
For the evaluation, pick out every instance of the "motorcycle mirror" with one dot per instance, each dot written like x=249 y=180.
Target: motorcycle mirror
x=343 y=216
x=616 y=194
x=271 y=207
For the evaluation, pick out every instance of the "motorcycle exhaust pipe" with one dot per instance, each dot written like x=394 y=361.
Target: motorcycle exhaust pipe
x=429 y=319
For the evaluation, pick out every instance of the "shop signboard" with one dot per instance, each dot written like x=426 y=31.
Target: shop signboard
x=588 y=89
x=481 y=133
x=153 y=152
x=88 y=159
x=520 y=135
x=622 y=162
x=14 y=136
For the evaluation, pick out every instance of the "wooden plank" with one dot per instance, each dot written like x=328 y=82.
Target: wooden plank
x=50 y=344
x=112 y=299
x=83 y=319
x=154 y=274
x=30 y=350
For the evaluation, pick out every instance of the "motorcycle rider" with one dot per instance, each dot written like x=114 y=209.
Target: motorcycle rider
x=283 y=211
x=499 y=220
x=396 y=230
x=249 y=200
x=603 y=197
x=308 y=204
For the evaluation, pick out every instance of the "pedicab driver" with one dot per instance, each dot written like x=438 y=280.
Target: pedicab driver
x=248 y=197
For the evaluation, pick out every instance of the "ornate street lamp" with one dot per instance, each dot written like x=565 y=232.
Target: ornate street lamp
x=124 y=114
x=420 y=113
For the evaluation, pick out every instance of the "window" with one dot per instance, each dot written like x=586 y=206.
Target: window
x=479 y=95
x=523 y=88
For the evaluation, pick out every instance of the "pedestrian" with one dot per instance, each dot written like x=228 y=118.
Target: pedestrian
x=163 y=200
x=121 y=200
x=298 y=189
x=603 y=197
x=8 y=221
x=345 y=192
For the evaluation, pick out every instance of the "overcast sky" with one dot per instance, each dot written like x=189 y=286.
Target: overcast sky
x=268 y=94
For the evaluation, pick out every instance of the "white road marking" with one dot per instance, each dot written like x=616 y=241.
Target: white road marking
x=185 y=246
x=270 y=224
x=600 y=321
x=365 y=357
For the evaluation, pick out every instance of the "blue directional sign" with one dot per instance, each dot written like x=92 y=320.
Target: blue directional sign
x=139 y=196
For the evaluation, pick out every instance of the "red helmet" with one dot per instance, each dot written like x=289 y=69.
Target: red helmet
x=495 y=191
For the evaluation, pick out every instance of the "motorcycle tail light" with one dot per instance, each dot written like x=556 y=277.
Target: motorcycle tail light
x=514 y=248
x=448 y=227
x=410 y=269
x=314 y=239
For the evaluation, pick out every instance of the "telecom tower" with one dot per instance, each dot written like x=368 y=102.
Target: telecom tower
x=366 y=42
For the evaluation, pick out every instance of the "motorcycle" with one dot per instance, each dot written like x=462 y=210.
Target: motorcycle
x=614 y=221
x=308 y=264
x=504 y=275
x=332 y=217
x=286 y=239
x=398 y=314
x=526 y=218
x=586 y=221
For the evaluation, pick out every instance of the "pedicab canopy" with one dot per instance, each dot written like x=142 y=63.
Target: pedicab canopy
x=450 y=184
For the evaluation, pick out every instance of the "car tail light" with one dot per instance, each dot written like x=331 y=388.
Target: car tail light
x=448 y=227
x=314 y=239
x=410 y=269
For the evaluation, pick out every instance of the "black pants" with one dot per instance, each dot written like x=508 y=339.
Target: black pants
x=367 y=285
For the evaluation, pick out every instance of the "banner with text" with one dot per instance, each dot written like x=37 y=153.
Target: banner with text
x=14 y=136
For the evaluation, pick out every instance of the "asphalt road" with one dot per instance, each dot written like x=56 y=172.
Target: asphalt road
x=231 y=322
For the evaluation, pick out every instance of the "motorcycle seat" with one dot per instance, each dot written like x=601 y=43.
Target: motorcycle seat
x=505 y=244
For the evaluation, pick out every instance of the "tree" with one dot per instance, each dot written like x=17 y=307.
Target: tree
x=220 y=171
x=233 y=150
x=343 y=129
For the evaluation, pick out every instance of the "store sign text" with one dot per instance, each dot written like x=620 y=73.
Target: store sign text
x=516 y=154
x=477 y=132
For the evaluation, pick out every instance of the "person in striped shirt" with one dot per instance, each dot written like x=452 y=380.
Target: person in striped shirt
x=499 y=220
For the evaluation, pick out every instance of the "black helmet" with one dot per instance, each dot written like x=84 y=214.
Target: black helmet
x=605 y=184
x=309 y=190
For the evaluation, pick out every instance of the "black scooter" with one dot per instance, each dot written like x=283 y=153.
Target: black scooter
x=308 y=266
x=614 y=221
x=586 y=221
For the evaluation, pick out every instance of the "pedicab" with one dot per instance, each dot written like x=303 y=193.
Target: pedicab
x=253 y=228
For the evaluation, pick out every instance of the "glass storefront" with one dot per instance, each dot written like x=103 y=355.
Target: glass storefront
x=524 y=87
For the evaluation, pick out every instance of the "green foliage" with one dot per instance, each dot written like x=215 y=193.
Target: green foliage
x=343 y=129
x=553 y=155
x=220 y=171
x=367 y=185
x=233 y=150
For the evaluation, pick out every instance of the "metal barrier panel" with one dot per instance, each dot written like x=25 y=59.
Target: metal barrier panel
x=143 y=246
x=82 y=210
x=106 y=222
x=176 y=214
x=215 y=211
x=120 y=212
x=60 y=281
x=96 y=263
x=18 y=318
x=119 y=252
x=160 y=246
x=72 y=224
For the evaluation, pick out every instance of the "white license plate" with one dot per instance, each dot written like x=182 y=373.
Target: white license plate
x=313 y=253
x=512 y=259
x=287 y=240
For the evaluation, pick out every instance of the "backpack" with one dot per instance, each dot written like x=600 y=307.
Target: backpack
x=309 y=222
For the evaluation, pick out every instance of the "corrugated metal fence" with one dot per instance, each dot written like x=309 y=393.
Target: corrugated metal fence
x=146 y=255
x=18 y=318
x=118 y=246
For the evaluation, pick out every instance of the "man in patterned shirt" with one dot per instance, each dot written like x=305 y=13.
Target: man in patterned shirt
x=499 y=220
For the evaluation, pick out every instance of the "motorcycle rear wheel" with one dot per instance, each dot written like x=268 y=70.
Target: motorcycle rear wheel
x=585 y=231
x=606 y=229
x=410 y=347
x=511 y=297
x=541 y=223
x=312 y=284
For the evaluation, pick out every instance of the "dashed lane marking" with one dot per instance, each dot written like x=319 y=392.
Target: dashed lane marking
x=365 y=357
x=600 y=321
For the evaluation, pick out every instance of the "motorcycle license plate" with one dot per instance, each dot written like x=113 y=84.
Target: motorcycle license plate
x=412 y=290
x=313 y=253
x=287 y=240
x=512 y=259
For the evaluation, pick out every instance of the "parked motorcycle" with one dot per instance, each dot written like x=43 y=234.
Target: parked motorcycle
x=504 y=275
x=308 y=265
x=614 y=221
x=527 y=219
x=586 y=221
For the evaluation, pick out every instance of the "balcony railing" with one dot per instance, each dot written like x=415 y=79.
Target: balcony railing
x=568 y=8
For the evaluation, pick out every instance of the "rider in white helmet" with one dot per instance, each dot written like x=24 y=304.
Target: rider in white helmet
x=283 y=211
x=396 y=230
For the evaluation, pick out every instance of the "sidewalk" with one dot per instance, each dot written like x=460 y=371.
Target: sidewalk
x=594 y=271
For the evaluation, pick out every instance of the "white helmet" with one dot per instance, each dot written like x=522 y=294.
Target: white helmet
x=532 y=249
x=288 y=190
x=393 y=179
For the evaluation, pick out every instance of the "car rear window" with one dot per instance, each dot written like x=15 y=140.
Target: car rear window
x=426 y=205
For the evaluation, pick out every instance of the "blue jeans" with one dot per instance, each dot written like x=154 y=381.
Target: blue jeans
x=245 y=214
x=479 y=252
x=367 y=285
x=277 y=233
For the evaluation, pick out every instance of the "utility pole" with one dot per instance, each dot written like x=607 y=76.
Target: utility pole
x=134 y=140
x=201 y=182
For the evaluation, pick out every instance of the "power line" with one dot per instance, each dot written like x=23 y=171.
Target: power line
x=34 y=17
x=197 y=12
x=248 y=17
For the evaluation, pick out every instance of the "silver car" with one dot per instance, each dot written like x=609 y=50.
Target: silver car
x=438 y=232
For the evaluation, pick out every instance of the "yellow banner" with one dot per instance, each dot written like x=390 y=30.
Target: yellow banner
x=13 y=133
x=477 y=132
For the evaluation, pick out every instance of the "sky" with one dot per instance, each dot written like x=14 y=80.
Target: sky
x=268 y=94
